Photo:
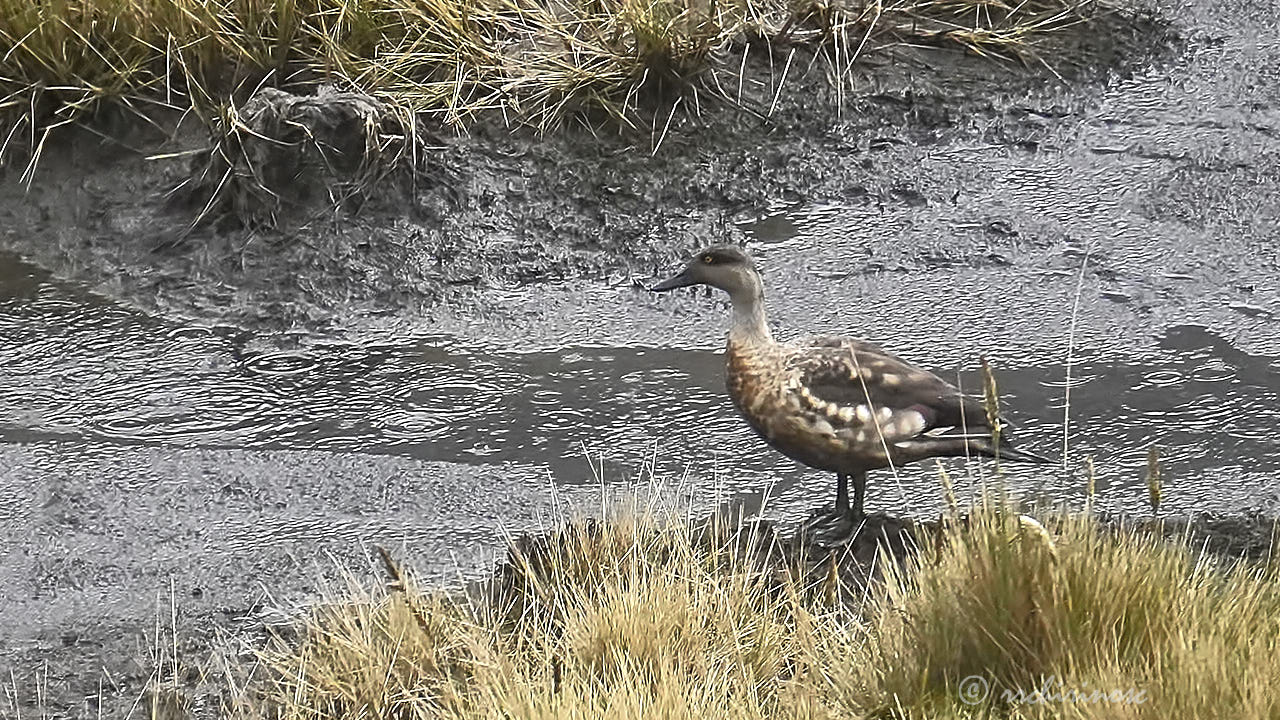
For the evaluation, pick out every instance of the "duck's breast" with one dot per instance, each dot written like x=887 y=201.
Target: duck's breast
x=757 y=382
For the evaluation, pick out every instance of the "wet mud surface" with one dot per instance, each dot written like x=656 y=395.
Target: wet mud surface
x=207 y=425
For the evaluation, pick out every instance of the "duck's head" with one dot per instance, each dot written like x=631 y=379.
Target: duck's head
x=726 y=267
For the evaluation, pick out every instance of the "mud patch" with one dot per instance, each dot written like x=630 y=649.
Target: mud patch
x=284 y=153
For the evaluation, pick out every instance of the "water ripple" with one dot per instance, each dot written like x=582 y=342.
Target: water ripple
x=280 y=363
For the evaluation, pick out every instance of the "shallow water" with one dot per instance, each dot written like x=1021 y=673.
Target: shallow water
x=81 y=371
x=1135 y=241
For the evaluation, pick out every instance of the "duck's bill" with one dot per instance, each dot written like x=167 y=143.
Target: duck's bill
x=679 y=281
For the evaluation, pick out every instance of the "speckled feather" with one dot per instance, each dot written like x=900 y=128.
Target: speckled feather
x=846 y=405
x=851 y=372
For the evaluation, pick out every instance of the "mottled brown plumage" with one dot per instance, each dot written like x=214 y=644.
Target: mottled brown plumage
x=832 y=403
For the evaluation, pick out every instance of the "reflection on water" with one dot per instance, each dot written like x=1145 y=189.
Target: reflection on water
x=79 y=369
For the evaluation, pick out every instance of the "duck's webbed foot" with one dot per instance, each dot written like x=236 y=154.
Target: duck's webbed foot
x=831 y=526
x=828 y=527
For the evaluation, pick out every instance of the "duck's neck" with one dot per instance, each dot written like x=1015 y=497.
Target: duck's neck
x=750 y=328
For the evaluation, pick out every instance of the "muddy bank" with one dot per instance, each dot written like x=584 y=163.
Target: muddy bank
x=856 y=558
x=113 y=206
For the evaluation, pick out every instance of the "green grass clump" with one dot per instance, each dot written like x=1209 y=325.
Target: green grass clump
x=640 y=617
x=443 y=61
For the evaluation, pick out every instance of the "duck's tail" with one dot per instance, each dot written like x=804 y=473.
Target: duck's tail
x=966 y=445
x=1005 y=451
x=1008 y=452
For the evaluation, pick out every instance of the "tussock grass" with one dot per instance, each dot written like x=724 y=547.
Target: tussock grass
x=1072 y=609
x=640 y=616
x=445 y=61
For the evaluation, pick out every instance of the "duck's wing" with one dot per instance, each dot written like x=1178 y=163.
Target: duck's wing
x=855 y=381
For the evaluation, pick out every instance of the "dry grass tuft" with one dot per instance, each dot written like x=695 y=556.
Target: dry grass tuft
x=245 y=68
x=1073 y=609
x=606 y=620
x=642 y=617
x=444 y=61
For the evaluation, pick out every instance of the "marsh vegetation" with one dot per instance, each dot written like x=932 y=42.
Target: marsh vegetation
x=451 y=62
x=642 y=614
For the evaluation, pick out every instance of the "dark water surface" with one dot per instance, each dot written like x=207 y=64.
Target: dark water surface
x=142 y=455
x=84 y=374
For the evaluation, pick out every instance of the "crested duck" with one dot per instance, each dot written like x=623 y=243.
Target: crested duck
x=834 y=403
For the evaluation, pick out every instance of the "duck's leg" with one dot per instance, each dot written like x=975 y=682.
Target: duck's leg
x=859 y=493
x=840 y=525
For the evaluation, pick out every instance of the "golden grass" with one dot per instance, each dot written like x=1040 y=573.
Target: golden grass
x=640 y=617
x=444 y=61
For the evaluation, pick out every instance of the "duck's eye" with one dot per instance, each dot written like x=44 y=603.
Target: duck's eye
x=708 y=259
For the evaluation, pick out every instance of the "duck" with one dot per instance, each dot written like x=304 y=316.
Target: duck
x=837 y=404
